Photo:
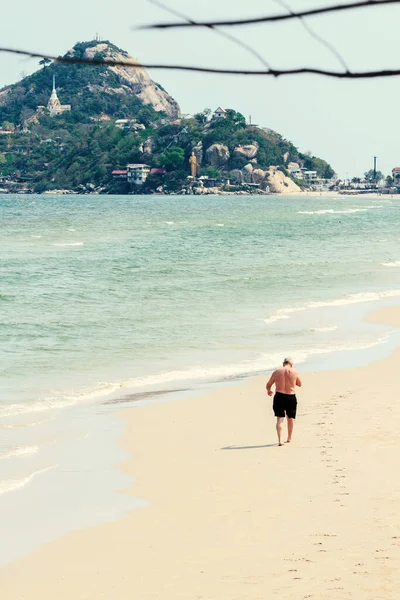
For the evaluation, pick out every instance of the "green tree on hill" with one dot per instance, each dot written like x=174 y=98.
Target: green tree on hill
x=173 y=159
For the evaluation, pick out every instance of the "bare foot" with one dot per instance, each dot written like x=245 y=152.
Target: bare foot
x=288 y=442
x=281 y=444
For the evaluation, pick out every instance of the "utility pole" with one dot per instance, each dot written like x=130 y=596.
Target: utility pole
x=375 y=170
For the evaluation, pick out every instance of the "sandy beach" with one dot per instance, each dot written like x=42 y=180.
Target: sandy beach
x=230 y=516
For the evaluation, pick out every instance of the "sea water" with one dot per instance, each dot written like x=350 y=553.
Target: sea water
x=111 y=297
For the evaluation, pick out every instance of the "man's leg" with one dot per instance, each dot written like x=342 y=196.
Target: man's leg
x=290 y=425
x=279 y=429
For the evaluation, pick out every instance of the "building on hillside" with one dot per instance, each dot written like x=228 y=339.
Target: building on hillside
x=220 y=113
x=129 y=124
x=137 y=173
x=396 y=174
x=295 y=170
x=54 y=105
x=310 y=175
x=122 y=123
x=158 y=171
x=120 y=174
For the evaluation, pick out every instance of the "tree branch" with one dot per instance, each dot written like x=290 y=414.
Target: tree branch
x=212 y=70
x=224 y=34
x=274 y=18
x=315 y=35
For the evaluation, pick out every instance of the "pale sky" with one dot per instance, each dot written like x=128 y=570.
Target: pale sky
x=347 y=123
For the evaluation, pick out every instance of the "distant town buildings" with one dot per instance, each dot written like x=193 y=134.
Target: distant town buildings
x=396 y=174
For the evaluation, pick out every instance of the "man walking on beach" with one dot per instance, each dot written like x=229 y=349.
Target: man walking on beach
x=285 y=402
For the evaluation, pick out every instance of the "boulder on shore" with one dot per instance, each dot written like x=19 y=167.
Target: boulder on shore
x=217 y=155
x=236 y=176
x=279 y=183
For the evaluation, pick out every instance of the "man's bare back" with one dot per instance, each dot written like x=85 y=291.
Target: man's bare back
x=285 y=379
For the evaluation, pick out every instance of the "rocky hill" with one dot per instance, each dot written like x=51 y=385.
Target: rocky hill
x=106 y=117
x=91 y=91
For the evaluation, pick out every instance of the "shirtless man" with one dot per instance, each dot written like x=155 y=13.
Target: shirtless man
x=285 y=401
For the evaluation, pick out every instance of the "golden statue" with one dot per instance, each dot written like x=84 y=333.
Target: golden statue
x=193 y=164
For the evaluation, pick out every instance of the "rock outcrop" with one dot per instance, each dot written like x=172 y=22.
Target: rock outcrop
x=217 y=155
x=248 y=173
x=135 y=80
x=248 y=151
x=279 y=183
x=259 y=176
x=236 y=176
x=148 y=148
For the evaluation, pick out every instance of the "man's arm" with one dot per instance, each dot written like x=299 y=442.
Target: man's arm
x=298 y=381
x=270 y=384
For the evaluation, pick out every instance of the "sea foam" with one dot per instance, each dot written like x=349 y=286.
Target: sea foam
x=260 y=364
x=70 y=244
x=332 y=211
x=394 y=263
x=285 y=313
x=11 y=485
x=20 y=451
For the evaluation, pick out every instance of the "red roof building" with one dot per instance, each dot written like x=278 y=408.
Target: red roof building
x=119 y=173
x=158 y=171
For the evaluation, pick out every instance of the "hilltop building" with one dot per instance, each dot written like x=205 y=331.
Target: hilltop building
x=220 y=113
x=54 y=105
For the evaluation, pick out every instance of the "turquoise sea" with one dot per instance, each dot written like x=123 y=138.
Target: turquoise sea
x=106 y=298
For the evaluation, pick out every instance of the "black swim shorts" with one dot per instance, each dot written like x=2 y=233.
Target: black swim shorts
x=285 y=405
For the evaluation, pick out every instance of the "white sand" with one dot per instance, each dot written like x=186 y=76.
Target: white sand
x=233 y=517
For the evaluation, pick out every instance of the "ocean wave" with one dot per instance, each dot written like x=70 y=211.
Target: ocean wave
x=323 y=329
x=332 y=211
x=261 y=364
x=394 y=263
x=285 y=313
x=69 y=244
x=10 y=485
x=20 y=451
x=36 y=236
x=58 y=402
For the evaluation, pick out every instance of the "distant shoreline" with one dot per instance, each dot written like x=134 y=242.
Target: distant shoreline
x=311 y=194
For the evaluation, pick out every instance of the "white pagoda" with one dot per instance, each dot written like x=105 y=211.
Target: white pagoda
x=54 y=105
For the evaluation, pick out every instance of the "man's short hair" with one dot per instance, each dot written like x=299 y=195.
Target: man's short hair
x=288 y=361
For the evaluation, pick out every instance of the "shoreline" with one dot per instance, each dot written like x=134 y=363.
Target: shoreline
x=221 y=499
x=302 y=194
